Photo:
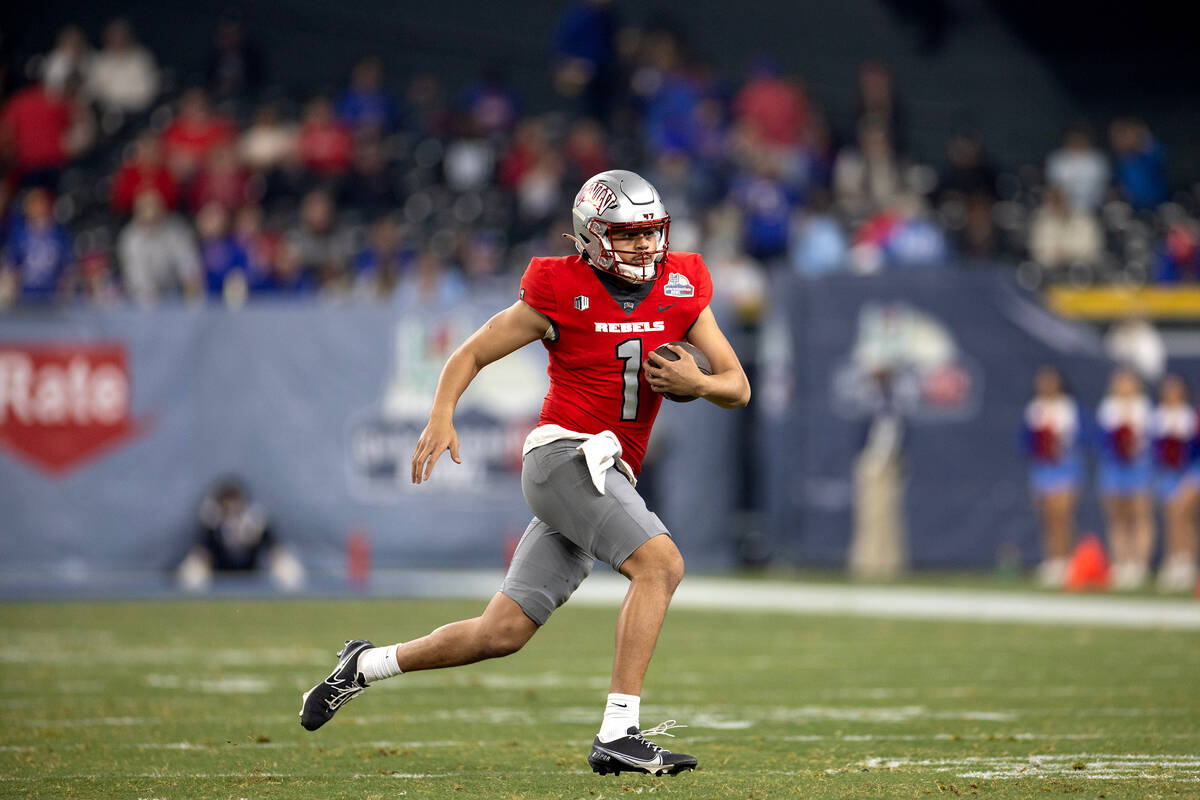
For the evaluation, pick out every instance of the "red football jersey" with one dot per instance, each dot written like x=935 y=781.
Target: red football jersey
x=596 y=380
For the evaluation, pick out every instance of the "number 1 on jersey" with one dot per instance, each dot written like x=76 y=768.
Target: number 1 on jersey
x=630 y=351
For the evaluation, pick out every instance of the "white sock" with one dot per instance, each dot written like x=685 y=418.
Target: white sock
x=378 y=663
x=621 y=712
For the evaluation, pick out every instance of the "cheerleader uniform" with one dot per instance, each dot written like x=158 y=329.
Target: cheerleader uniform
x=1126 y=466
x=1051 y=433
x=1174 y=431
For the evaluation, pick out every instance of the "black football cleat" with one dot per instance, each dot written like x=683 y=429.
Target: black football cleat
x=635 y=753
x=321 y=702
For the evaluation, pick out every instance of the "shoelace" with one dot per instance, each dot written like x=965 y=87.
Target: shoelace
x=662 y=728
x=659 y=729
x=343 y=694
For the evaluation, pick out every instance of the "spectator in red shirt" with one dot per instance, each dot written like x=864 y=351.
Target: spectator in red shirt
x=585 y=151
x=194 y=133
x=145 y=169
x=776 y=110
x=325 y=145
x=221 y=180
x=35 y=126
x=529 y=143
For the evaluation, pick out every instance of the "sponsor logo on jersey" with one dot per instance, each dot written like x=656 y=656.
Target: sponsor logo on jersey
x=581 y=303
x=631 y=327
x=679 y=286
x=598 y=195
x=62 y=404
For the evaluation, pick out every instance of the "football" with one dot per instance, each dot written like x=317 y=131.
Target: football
x=702 y=362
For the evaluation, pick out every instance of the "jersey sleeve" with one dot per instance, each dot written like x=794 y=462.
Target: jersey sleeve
x=537 y=287
x=703 y=283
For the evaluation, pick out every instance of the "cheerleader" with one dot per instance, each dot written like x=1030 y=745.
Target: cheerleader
x=1051 y=437
x=1125 y=477
x=1178 y=482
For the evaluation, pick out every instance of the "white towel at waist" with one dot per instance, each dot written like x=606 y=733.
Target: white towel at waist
x=601 y=450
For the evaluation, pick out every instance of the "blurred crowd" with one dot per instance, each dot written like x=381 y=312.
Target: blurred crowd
x=123 y=182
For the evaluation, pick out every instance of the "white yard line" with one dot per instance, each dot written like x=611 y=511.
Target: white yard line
x=1085 y=766
x=734 y=594
x=902 y=602
x=910 y=602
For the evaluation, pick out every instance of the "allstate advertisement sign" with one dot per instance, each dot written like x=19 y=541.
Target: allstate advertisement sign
x=62 y=404
x=493 y=416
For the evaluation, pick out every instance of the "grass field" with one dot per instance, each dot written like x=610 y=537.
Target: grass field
x=190 y=700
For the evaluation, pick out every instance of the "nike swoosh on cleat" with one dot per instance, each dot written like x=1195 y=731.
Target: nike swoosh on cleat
x=655 y=762
x=664 y=308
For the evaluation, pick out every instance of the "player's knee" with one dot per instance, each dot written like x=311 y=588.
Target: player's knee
x=658 y=562
x=502 y=639
x=673 y=570
x=666 y=570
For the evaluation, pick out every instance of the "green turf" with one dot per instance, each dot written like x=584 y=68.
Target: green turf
x=190 y=700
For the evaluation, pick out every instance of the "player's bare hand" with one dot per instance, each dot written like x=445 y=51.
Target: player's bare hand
x=676 y=377
x=436 y=439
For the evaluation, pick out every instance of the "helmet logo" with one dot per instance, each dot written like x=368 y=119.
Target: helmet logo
x=599 y=195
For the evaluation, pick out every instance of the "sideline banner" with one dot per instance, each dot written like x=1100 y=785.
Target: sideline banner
x=114 y=423
x=960 y=350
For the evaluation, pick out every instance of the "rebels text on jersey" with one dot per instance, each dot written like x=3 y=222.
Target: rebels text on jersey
x=596 y=356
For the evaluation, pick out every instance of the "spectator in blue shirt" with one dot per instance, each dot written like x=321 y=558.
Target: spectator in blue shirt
x=585 y=58
x=819 y=244
x=381 y=264
x=767 y=203
x=226 y=265
x=365 y=106
x=37 y=251
x=289 y=276
x=1141 y=163
x=491 y=103
x=1177 y=259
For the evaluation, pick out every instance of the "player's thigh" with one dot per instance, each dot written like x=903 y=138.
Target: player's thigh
x=546 y=569
x=559 y=489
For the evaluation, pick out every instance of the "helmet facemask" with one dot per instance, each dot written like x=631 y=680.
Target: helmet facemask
x=638 y=266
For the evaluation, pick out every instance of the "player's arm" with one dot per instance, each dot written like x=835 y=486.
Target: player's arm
x=727 y=387
x=508 y=331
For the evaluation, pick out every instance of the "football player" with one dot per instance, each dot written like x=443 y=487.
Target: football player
x=600 y=314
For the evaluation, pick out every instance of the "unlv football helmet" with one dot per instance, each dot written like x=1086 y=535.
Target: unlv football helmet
x=615 y=201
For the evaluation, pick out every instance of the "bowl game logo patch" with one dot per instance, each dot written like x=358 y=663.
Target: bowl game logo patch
x=679 y=286
x=908 y=359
